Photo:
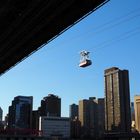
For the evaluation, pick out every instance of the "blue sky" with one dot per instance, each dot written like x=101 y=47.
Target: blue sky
x=111 y=34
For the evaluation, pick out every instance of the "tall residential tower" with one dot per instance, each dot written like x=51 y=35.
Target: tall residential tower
x=117 y=101
x=88 y=117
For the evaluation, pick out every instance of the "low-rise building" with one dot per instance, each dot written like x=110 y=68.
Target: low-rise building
x=55 y=126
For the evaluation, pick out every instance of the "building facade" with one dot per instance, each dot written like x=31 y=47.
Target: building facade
x=55 y=127
x=1 y=114
x=20 y=112
x=117 y=101
x=101 y=117
x=75 y=128
x=35 y=120
x=88 y=116
x=50 y=106
x=132 y=111
x=137 y=112
x=132 y=116
x=73 y=111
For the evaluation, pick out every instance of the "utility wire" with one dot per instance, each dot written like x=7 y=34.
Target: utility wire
x=114 y=25
x=117 y=39
x=105 y=28
x=108 y=25
x=117 y=19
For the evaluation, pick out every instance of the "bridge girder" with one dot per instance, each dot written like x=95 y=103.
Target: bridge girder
x=27 y=24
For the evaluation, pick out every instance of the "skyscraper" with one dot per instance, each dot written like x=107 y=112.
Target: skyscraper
x=50 y=106
x=75 y=128
x=20 y=112
x=101 y=116
x=88 y=117
x=132 y=111
x=75 y=123
x=73 y=111
x=117 y=101
x=1 y=114
x=137 y=112
x=35 y=119
x=132 y=116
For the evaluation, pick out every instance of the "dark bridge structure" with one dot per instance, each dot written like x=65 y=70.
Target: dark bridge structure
x=25 y=25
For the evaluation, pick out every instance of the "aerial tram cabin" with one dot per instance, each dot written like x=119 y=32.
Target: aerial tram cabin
x=84 y=60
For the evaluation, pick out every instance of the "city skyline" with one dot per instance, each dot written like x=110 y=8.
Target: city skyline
x=54 y=95
x=91 y=112
x=112 y=39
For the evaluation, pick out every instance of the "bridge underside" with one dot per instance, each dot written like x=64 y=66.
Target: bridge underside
x=25 y=25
